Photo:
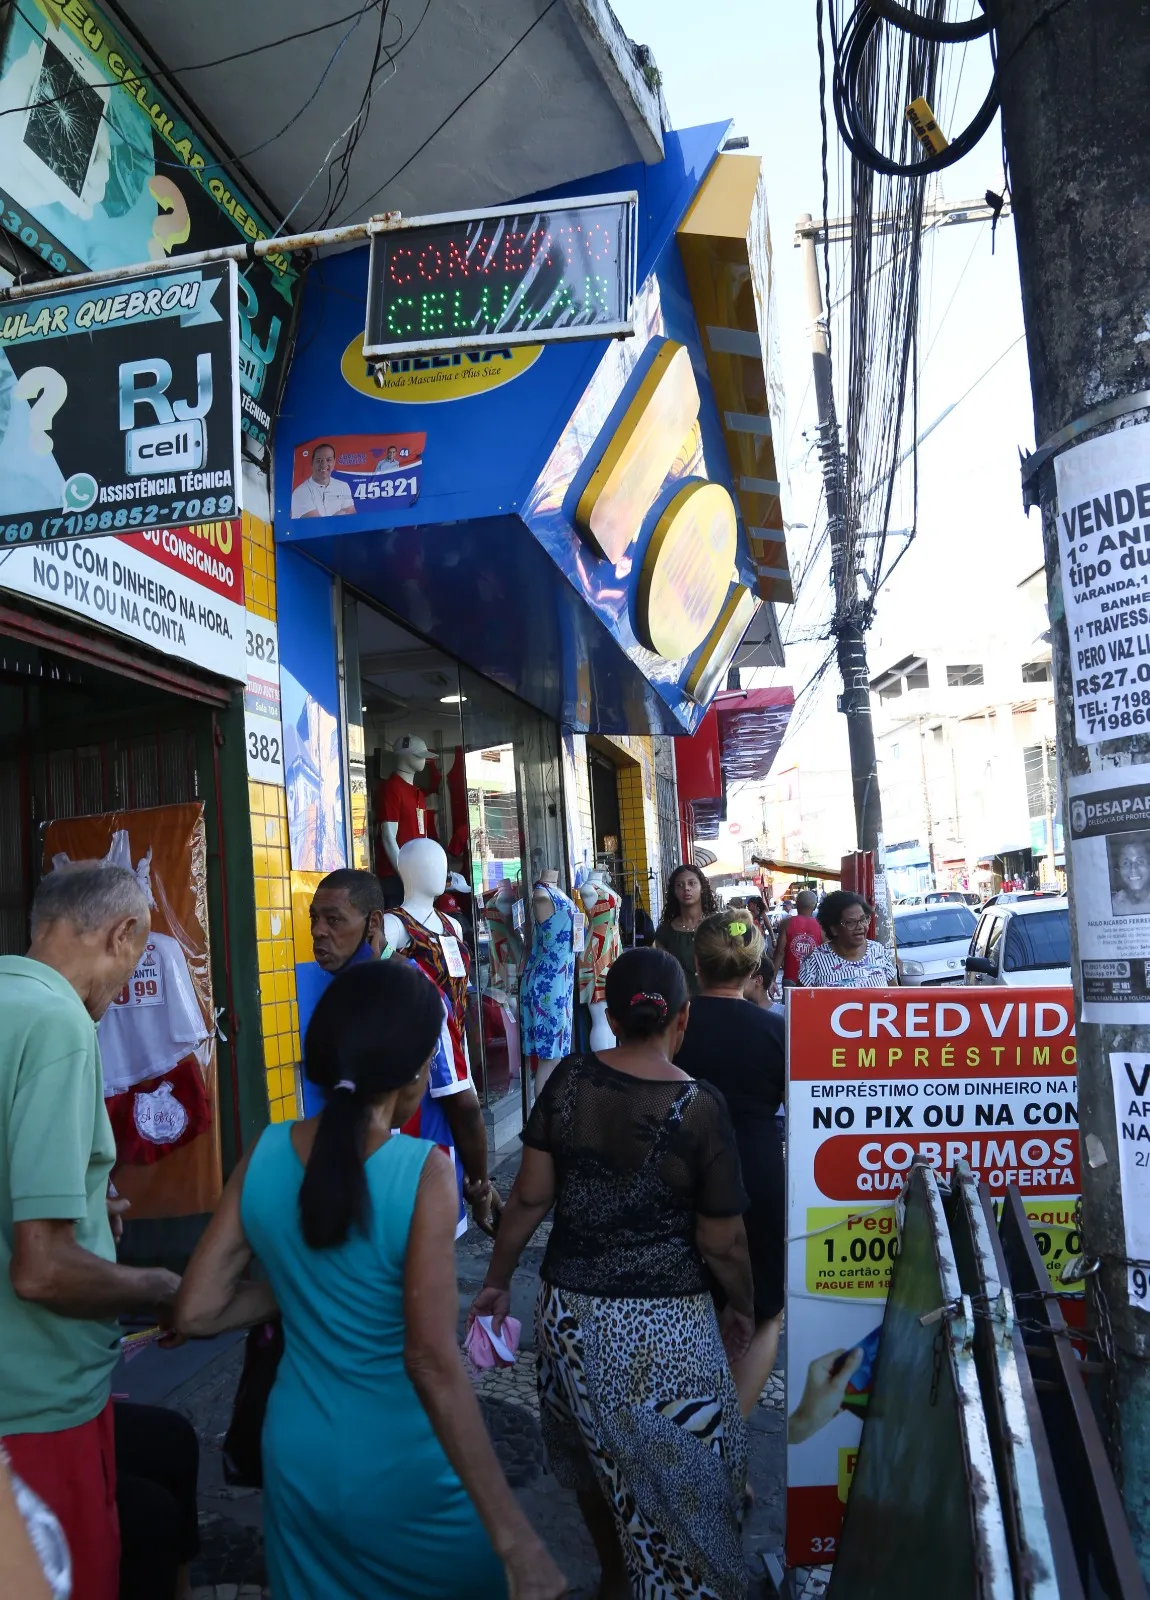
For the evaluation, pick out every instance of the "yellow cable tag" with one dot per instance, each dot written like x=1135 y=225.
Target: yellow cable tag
x=926 y=130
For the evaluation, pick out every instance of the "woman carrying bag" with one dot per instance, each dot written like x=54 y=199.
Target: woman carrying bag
x=379 y=1476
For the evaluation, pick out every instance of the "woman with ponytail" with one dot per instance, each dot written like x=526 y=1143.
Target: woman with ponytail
x=638 y=1408
x=379 y=1477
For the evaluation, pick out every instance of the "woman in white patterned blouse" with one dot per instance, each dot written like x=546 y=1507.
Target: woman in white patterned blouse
x=848 y=959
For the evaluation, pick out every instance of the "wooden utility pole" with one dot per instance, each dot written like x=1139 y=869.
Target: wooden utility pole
x=1076 y=124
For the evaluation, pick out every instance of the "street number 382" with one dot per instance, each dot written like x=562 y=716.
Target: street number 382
x=263 y=747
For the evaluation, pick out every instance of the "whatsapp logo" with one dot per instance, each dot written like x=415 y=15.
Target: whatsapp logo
x=80 y=492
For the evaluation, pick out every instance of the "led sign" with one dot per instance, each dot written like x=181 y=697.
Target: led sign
x=526 y=276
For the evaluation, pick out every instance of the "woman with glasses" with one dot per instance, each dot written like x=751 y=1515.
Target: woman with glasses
x=741 y=1051
x=847 y=959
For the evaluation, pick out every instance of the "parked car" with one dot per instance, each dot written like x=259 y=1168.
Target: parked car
x=1010 y=897
x=1022 y=942
x=951 y=897
x=909 y=900
x=932 y=942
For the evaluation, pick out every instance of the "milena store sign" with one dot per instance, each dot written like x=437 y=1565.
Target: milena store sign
x=876 y=1080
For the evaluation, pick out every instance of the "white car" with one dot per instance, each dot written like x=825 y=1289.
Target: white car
x=932 y=942
x=1022 y=943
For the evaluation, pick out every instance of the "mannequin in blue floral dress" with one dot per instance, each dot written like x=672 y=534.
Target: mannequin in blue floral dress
x=546 y=993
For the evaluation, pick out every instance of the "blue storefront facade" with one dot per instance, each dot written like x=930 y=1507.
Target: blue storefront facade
x=440 y=571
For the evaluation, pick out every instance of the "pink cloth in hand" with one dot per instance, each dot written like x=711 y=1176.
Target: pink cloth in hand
x=485 y=1348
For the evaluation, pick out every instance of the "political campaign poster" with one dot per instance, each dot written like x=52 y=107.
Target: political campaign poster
x=1110 y=846
x=876 y=1078
x=1104 y=550
x=350 y=474
x=118 y=407
x=1130 y=1071
x=99 y=169
x=158 y=1036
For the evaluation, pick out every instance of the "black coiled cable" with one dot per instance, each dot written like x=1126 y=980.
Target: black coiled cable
x=866 y=18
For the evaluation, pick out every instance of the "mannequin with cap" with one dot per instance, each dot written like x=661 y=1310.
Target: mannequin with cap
x=402 y=806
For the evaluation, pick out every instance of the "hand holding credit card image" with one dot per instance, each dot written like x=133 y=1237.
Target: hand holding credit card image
x=839 y=1380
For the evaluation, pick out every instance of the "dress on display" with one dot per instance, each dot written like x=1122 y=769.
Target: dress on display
x=426 y=950
x=547 y=990
x=506 y=945
x=603 y=945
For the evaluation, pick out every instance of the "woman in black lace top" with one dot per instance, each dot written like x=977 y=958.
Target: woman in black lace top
x=639 y=1411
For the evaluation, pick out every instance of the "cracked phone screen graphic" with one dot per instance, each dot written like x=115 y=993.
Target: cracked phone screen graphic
x=64 y=121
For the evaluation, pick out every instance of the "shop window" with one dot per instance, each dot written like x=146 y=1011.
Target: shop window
x=964 y=677
x=488 y=792
x=1036 y=672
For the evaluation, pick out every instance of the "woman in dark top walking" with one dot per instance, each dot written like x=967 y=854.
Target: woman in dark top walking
x=639 y=1411
x=741 y=1050
x=690 y=898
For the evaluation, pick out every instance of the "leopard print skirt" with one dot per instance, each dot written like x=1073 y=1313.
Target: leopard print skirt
x=637 y=1399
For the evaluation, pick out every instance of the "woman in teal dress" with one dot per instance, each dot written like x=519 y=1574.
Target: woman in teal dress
x=380 y=1481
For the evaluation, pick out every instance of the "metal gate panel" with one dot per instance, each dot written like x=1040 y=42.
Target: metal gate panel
x=923 y=1517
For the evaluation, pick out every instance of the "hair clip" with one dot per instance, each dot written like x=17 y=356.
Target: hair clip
x=737 y=928
x=657 y=1000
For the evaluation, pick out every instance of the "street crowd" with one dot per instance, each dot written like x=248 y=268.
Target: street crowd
x=659 y=1161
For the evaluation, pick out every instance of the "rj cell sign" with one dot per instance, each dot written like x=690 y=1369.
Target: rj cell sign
x=122 y=408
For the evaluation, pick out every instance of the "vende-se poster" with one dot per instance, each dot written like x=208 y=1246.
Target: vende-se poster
x=877 y=1077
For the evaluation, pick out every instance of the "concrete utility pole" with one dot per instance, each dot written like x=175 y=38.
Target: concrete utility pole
x=849 y=629
x=1076 y=122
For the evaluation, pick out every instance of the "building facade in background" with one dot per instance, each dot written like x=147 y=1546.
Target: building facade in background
x=967 y=762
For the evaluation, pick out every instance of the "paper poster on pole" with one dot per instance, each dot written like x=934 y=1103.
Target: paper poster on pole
x=877 y=1077
x=1130 y=1071
x=1110 y=847
x=1104 y=555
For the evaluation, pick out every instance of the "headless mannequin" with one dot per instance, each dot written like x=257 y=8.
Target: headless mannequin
x=593 y=891
x=543 y=909
x=422 y=864
x=410 y=758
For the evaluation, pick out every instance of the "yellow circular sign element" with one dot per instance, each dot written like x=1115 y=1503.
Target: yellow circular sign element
x=687 y=570
x=424 y=380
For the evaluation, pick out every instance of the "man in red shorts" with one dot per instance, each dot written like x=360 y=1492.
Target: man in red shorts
x=60 y=1285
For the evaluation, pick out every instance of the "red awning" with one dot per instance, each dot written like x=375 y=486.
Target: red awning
x=752 y=723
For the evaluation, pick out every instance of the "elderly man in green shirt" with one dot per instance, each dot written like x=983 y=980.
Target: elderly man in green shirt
x=61 y=1287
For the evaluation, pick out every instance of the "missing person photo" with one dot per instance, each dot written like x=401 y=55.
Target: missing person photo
x=1128 y=858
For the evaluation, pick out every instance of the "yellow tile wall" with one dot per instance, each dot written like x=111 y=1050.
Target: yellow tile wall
x=275 y=937
x=638 y=811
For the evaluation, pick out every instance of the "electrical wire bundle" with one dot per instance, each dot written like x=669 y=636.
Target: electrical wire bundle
x=886 y=55
x=854 y=52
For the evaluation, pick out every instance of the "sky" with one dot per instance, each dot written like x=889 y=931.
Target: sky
x=756 y=62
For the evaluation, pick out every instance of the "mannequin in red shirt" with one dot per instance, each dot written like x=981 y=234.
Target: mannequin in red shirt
x=400 y=806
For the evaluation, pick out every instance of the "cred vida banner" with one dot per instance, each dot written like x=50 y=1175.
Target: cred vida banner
x=877 y=1078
